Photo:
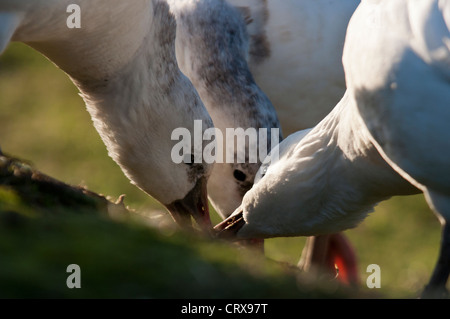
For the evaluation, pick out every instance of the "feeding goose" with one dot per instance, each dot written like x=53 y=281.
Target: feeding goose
x=123 y=62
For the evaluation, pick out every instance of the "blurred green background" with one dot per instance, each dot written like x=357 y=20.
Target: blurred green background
x=42 y=119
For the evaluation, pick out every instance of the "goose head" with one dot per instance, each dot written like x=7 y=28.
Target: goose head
x=267 y=174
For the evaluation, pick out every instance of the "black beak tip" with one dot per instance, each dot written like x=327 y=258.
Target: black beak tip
x=228 y=228
x=195 y=205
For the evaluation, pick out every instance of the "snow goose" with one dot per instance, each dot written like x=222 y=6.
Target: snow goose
x=387 y=136
x=212 y=48
x=123 y=61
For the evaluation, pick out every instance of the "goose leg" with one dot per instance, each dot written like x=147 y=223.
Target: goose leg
x=325 y=253
x=436 y=286
x=256 y=243
x=314 y=253
x=342 y=256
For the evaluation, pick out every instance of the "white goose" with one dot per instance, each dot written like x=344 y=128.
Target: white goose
x=387 y=136
x=122 y=60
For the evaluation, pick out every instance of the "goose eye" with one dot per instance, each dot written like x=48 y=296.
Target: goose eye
x=189 y=160
x=264 y=171
x=239 y=175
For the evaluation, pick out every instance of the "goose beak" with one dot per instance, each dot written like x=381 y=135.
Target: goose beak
x=194 y=204
x=229 y=227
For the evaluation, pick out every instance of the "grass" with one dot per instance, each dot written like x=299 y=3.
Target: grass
x=44 y=120
x=46 y=225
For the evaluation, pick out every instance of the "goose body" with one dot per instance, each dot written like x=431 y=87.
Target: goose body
x=296 y=55
x=320 y=184
x=387 y=136
x=123 y=62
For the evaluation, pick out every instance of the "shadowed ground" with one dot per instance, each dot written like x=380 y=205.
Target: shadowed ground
x=47 y=225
